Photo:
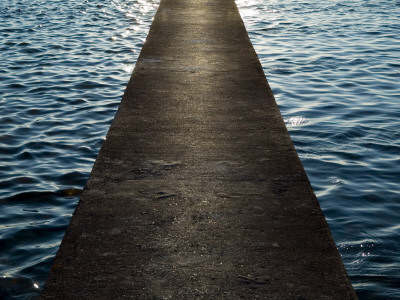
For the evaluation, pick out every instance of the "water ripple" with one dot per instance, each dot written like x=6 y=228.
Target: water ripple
x=336 y=64
x=62 y=77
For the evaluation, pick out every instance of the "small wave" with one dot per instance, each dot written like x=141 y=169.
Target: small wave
x=12 y=286
x=89 y=85
x=30 y=197
x=296 y=122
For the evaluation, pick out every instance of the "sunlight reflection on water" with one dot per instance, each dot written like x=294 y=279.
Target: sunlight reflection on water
x=334 y=72
x=63 y=69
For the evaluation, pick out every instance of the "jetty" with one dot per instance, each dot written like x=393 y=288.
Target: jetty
x=198 y=192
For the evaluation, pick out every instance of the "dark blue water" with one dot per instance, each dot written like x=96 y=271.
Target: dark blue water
x=334 y=67
x=63 y=68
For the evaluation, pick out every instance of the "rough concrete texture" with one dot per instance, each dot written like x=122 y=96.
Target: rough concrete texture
x=198 y=191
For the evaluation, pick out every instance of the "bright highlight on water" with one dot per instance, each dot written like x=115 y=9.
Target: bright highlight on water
x=334 y=69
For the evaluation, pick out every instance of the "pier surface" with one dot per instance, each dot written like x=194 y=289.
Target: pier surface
x=198 y=191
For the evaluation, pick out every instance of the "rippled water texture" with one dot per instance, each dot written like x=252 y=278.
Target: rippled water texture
x=63 y=68
x=334 y=67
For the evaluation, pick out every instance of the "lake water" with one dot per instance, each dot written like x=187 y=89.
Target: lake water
x=334 y=67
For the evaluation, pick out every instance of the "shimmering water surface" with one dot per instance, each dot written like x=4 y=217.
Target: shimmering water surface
x=334 y=67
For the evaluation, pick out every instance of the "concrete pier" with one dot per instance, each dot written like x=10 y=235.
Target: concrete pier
x=198 y=191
